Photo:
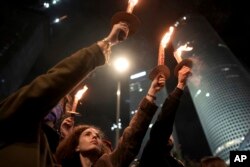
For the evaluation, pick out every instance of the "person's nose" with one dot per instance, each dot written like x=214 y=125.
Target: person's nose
x=94 y=136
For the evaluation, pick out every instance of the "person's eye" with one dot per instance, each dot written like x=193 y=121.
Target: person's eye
x=87 y=134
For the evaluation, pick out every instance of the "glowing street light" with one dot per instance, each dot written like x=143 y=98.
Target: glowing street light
x=121 y=64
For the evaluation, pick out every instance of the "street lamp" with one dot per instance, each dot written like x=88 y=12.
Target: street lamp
x=121 y=64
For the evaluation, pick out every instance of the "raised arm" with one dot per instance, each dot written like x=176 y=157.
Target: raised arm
x=28 y=106
x=157 y=146
x=130 y=141
x=163 y=127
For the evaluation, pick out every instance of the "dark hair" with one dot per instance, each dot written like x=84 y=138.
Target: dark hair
x=212 y=161
x=66 y=154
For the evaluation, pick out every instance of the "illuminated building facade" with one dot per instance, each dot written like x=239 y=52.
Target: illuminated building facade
x=219 y=86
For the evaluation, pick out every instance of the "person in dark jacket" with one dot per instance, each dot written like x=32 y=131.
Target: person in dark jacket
x=22 y=140
x=84 y=147
x=157 y=151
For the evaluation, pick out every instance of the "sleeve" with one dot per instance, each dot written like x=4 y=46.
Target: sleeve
x=162 y=128
x=131 y=139
x=25 y=108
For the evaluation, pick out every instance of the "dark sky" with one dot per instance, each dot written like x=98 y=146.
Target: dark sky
x=89 y=21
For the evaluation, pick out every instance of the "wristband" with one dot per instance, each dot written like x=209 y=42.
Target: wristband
x=152 y=96
x=107 y=49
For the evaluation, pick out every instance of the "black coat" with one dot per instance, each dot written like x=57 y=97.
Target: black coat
x=156 y=152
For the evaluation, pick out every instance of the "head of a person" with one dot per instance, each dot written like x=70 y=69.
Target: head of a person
x=212 y=161
x=84 y=140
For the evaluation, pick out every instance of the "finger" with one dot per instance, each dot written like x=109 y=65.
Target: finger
x=123 y=23
x=161 y=82
x=161 y=77
x=125 y=29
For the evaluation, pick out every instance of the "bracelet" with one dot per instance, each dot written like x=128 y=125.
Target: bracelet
x=107 y=49
x=107 y=42
x=152 y=96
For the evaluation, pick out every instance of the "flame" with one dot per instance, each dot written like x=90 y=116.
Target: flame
x=166 y=37
x=131 y=5
x=179 y=50
x=79 y=94
x=163 y=45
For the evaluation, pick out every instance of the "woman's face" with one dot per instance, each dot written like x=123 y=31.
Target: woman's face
x=90 y=141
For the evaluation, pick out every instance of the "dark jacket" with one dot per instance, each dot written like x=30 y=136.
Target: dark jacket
x=131 y=139
x=22 y=142
x=157 y=151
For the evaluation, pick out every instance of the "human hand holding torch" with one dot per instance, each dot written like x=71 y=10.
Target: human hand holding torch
x=157 y=84
x=127 y=17
x=183 y=75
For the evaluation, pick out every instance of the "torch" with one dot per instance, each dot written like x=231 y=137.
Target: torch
x=161 y=67
x=78 y=96
x=182 y=62
x=127 y=17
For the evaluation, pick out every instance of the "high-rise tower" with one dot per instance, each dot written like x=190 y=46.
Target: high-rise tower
x=220 y=86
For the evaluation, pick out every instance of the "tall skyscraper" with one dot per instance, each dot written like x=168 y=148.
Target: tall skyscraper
x=219 y=86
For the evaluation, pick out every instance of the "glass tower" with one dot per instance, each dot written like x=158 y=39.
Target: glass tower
x=219 y=86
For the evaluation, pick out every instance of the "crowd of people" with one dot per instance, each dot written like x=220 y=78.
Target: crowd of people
x=37 y=130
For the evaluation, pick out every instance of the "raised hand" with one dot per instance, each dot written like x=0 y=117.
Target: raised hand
x=183 y=75
x=113 y=35
x=157 y=84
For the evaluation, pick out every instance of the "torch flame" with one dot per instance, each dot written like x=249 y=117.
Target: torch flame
x=78 y=96
x=131 y=5
x=179 y=50
x=163 y=45
x=166 y=37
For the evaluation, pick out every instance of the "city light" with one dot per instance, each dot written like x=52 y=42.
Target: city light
x=138 y=75
x=121 y=64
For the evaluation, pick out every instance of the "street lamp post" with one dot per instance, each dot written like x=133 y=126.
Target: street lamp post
x=118 y=111
x=121 y=65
